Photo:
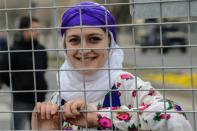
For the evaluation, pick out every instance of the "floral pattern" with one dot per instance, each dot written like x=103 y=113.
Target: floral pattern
x=159 y=116
x=133 y=128
x=124 y=117
x=151 y=92
x=177 y=107
x=134 y=93
x=126 y=76
x=142 y=107
x=118 y=84
x=130 y=119
x=104 y=122
x=99 y=106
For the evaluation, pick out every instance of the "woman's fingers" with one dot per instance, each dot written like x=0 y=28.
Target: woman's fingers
x=72 y=108
x=75 y=110
x=54 y=109
x=34 y=119
x=38 y=107
x=36 y=116
x=43 y=110
x=76 y=107
x=67 y=110
x=45 y=116
x=46 y=109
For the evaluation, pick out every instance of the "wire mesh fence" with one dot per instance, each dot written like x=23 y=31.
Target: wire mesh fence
x=158 y=38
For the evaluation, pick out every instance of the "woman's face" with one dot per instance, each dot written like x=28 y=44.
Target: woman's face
x=80 y=42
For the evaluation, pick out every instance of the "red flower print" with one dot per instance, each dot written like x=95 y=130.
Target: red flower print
x=143 y=106
x=151 y=92
x=126 y=76
x=99 y=106
x=99 y=115
x=130 y=106
x=164 y=116
x=134 y=93
x=160 y=116
x=123 y=116
x=118 y=84
x=104 y=122
x=115 y=108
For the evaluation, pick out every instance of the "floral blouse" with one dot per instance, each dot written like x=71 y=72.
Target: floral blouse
x=135 y=105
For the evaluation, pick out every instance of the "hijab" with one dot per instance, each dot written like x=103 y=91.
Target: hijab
x=92 y=87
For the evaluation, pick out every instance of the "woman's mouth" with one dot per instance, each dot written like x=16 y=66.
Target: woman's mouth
x=86 y=59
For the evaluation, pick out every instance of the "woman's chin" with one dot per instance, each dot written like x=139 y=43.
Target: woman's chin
x=87 y=72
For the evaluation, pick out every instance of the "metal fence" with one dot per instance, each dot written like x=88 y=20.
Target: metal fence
x=151 y=33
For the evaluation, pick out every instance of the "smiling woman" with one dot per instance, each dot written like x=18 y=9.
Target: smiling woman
x=94 y=91
x=94 y=43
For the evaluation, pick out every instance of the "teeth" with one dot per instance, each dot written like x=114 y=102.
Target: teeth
x=86 y=59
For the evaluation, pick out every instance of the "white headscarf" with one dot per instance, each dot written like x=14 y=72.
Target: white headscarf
x=74 y=85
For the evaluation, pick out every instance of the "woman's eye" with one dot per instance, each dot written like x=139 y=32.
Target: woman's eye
x=74 y=41
x=95 y=39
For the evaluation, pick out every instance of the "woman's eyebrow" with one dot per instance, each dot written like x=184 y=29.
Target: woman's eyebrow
x=71 y=36
x=97 y=34
x=82 y=35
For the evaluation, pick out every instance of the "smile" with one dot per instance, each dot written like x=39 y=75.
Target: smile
x=87 y=59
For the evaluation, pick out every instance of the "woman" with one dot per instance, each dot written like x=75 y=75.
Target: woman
x=94 y=97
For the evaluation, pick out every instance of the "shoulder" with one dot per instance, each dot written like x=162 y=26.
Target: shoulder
x=124 y=79
x=127 y=80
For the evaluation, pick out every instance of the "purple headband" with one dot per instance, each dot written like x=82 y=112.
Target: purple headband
x=92 y=14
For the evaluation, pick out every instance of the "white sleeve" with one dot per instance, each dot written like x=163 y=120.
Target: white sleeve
x=141 y=97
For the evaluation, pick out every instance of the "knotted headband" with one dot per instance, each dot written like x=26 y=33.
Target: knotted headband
x=90 y=14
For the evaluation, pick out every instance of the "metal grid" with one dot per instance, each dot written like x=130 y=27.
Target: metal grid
x=131 y=46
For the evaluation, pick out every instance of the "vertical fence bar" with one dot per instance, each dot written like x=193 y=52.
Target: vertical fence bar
x=109 y=65
x=135 y=63
x=191 y=62
x=9 y=63
x=55 y=40
x=33 y=52
x=162 y=58
x=83 y=62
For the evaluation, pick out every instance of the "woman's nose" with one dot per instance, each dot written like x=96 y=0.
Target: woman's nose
x=84 y=49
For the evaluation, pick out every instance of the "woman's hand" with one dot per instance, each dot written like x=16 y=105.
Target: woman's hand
x=74 y=115
x=45 y=117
